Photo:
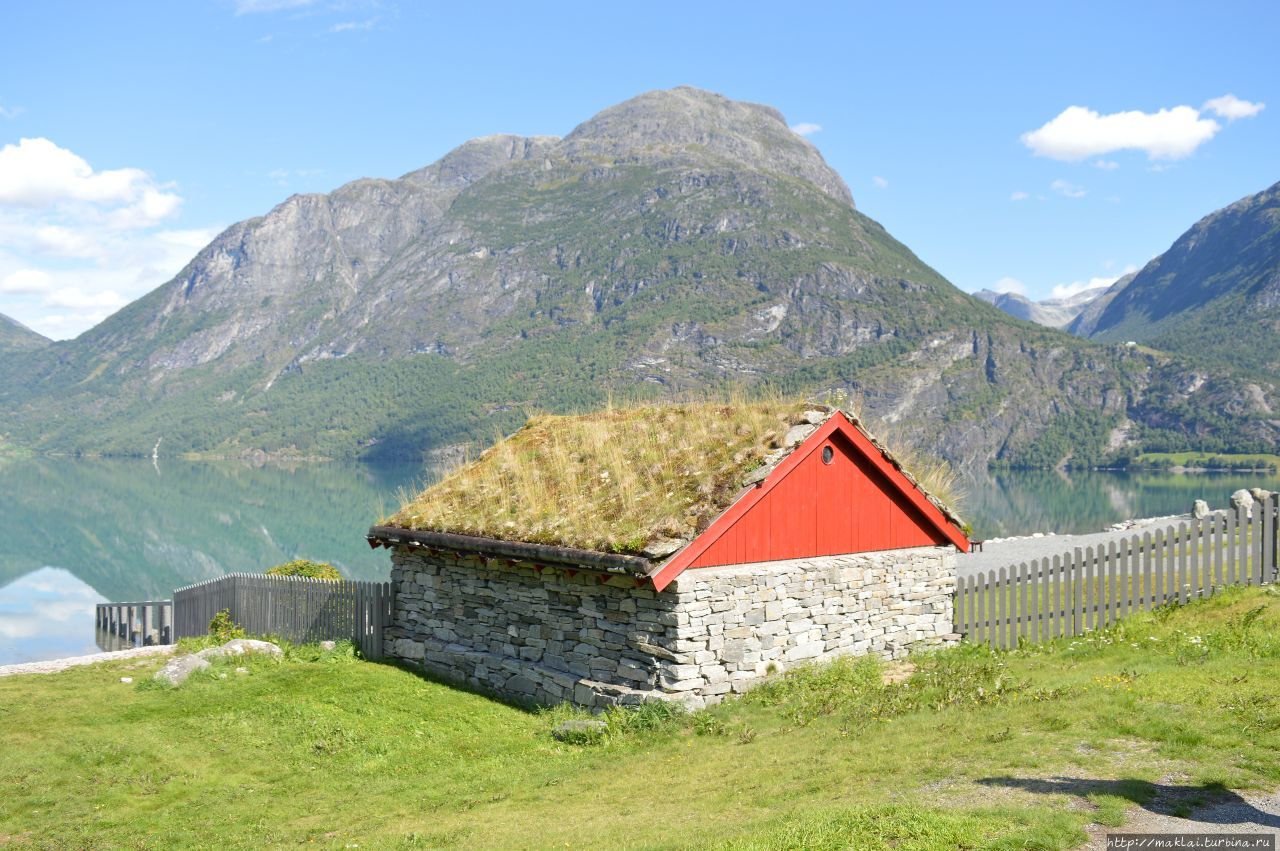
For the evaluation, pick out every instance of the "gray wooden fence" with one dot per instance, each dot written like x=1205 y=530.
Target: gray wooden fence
x=1090 y=588
x=123 y=625
x=294 y=608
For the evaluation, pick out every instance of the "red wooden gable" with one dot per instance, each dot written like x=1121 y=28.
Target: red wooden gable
x=811 y=506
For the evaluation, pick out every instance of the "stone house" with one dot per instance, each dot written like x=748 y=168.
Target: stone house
x=808 y=542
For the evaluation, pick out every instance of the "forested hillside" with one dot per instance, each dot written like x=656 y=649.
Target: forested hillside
x=1214 y=295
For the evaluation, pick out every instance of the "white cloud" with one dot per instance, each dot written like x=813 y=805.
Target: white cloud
x=805 y=128
x=1079 y=133
x=1231 y=107
x=38 y=173
x=26 y=282
x=284 y=176
x=1019 y=196
x=77 y=299
x=880 y=182
x=1106 y=165
x=1010 y=285
x=254 y=7
x=60 y=241
x=353 y=26
x=76 y=244
x=1077 y=287
x=1070 y=190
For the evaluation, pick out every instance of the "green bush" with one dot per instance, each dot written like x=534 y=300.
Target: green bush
x=303 y=567
x=223 y=628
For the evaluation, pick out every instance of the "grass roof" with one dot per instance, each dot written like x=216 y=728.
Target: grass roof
x=636 y=480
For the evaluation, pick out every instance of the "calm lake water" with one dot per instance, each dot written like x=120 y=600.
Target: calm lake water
x=77 y=533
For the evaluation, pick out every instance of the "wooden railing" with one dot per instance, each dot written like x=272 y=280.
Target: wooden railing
x=134 y=624
x=1089 y=588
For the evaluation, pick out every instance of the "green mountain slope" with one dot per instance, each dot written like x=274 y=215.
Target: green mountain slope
x=672 y=243
x=16 y=336
x=1214 y=294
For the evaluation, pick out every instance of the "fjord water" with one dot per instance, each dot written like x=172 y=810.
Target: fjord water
x=75 y=533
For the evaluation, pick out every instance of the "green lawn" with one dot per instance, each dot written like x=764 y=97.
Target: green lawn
x=1210 y=460
x=1019 y=749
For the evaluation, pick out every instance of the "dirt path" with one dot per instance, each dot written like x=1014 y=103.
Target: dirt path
x=1250 y=812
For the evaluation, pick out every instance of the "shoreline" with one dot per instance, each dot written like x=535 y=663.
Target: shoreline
x=53 y=666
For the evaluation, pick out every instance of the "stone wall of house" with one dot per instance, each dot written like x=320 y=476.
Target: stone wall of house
x=551 y=635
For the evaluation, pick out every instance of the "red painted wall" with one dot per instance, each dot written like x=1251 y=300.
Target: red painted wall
x=847 y=506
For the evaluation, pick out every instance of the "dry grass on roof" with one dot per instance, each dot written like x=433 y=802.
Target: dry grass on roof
x=614 y=481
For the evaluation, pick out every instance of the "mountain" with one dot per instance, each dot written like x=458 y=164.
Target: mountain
x=675 y=242
x=1087 y=319
x=14 y=336
x=1051 y=312
x=1215 y=294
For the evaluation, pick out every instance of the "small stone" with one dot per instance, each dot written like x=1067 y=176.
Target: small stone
x=757 y=475
x=1200 y=509
x=797 y=434
x=328 y=645
x=662 y=548
x=580 y=731
x=815 y=417
x=126 y=680
x=242 y=670
x=222 y=676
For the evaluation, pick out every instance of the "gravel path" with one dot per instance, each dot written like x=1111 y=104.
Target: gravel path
x=1009 y=551
x=1239 y=813
x=54 y=665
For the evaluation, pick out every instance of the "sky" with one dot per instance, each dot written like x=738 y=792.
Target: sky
x=1030 y=147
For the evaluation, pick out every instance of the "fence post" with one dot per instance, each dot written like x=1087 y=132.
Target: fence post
x=980 y=624
x=1271 y=548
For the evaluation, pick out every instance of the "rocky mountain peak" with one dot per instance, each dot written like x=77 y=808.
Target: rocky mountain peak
x=475 y=159
x=681 y=121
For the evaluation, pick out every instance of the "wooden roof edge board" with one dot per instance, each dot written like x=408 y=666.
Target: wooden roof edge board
x=943 y=521
x=561 y=556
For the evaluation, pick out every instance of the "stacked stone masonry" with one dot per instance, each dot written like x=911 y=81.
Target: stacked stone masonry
x=551 y=635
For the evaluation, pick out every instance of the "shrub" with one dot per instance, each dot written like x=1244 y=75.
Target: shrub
x=303 y=567
x=223 y=628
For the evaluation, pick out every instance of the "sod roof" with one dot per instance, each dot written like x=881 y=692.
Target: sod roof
x=641 y=480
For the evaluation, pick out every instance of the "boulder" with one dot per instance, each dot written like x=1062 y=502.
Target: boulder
x=580 y=730
x=176 y=671
x=1200 y=509
x=239 y=647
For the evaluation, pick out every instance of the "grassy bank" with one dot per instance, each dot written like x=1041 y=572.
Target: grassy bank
x=1216 y=461
x=975 y=750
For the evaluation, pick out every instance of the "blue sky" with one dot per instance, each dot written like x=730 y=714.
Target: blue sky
x=151 y=126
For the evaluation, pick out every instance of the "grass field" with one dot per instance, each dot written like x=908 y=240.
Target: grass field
x=1207 y=460
x=1020 y=749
